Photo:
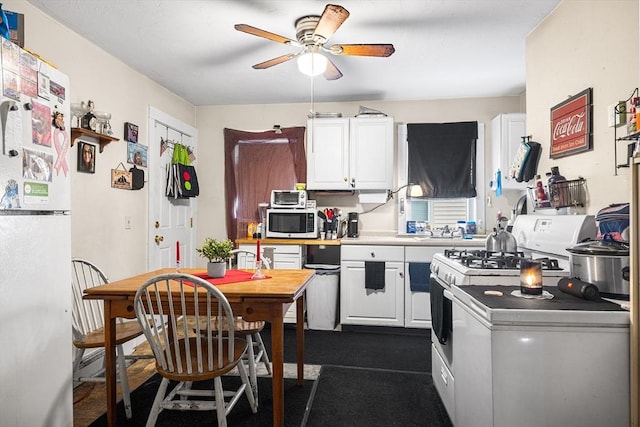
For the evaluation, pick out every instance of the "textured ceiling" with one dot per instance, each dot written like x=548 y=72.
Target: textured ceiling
x=444 y=48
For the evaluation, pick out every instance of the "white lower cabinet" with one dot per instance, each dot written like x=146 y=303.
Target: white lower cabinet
x=281 y=257
x=417 y=304
x=360 y=305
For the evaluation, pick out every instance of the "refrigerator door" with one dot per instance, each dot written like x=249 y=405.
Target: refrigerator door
x=35 y=148
x=35 y=321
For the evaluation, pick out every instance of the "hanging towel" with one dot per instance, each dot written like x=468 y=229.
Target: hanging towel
x=441 y=319
x=373 y=275
x=419 y=273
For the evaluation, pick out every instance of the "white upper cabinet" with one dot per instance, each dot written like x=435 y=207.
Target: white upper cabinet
x=507 y=131
x=350 y=153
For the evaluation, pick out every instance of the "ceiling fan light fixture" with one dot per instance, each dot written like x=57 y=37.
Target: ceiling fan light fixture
x=312 y=63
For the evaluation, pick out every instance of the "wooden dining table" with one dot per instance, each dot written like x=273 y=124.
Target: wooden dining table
x=254 y=299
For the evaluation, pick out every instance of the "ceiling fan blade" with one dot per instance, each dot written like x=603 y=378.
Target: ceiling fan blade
x=331 y=19
x=275 y=61
x=362 y=49
x=264 y=34
x=332 y=72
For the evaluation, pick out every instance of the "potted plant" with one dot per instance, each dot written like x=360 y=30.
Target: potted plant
x=218 y=253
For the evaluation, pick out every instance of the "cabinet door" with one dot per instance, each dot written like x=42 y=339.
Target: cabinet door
x=361 y=306
x=507 y=131
x=417 y=304
x=371 y=153
x=328 y=154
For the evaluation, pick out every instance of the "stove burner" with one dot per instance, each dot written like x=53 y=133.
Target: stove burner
x=483 y=259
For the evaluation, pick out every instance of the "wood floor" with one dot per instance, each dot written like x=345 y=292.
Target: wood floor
x=89 y=399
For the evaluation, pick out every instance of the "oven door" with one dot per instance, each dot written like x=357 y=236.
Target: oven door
x=441 y=319
x=442 y=343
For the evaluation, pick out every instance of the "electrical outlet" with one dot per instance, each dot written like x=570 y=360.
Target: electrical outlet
x=127 y=223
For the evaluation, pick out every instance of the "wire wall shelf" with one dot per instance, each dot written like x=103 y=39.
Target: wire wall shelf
x=563 y=194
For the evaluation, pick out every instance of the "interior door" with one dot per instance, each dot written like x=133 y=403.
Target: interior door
x=170 y=220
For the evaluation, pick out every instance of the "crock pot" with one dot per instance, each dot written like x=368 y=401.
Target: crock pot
x=604 y=263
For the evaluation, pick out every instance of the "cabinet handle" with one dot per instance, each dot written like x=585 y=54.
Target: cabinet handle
x=373 y=254
x=353 y=183
x=401 y=274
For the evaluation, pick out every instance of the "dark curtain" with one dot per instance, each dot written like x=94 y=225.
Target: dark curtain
x=442 y=158
x=255 y=164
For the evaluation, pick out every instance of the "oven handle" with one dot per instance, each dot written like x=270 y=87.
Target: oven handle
x=447 y=294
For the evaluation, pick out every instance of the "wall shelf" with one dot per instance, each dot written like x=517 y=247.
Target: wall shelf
x=102 y=139
x=634 y=136
x=562 y=194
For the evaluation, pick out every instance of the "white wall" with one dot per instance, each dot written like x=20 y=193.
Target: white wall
x=213 y=119
x=582 y=44
x=585 y=44
x=98 y=211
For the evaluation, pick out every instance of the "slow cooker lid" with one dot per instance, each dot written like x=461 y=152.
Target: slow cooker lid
x=601 y=247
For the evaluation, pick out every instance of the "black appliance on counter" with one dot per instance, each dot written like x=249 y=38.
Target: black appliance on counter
x=352 y=227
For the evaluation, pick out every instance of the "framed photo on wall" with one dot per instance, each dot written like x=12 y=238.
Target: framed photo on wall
x=130 y=132
x=572 y=125
x=137 y=154
x=86 y=157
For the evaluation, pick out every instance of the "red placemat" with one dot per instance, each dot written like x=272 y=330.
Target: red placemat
x=231 y=276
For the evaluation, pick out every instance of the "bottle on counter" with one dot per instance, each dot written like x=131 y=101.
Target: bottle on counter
x=555 y=175
x=542 y=198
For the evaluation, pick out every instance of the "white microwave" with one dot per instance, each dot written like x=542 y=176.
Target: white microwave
x=284 y=199
x=292 y=223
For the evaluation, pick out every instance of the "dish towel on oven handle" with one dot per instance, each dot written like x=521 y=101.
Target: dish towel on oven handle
x=441 y=316
x=182 y=181
x=374 y=275
x=419 y=273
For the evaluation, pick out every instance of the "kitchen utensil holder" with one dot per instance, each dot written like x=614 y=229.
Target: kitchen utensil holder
x=561 y=194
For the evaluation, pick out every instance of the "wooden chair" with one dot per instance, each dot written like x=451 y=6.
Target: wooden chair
x=256 y=353
x=88 y=328
x=184 y=351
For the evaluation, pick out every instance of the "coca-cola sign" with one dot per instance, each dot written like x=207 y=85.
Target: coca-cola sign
x=571 y=126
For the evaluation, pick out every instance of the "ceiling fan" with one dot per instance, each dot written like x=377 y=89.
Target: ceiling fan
x=312 y=32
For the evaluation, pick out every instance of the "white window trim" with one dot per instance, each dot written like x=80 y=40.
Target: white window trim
x=476 y=210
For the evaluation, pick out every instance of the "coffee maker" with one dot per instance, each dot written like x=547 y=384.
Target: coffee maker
x=352 y=225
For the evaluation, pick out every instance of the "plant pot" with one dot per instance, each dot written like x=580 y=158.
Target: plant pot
x=216 y=269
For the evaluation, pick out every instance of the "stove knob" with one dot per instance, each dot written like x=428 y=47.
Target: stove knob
x=452 y=280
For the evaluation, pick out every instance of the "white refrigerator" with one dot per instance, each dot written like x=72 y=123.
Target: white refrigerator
x=35 y=243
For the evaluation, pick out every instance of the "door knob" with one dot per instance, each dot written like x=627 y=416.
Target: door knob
x=159 y=239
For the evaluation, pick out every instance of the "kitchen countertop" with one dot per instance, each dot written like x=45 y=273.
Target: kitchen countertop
x=414 y=241
x=388 y=240
x=307 y=242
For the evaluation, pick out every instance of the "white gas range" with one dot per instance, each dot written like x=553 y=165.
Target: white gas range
x=498 y=360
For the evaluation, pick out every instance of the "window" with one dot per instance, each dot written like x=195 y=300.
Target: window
x=438 y=212
x=255 y=164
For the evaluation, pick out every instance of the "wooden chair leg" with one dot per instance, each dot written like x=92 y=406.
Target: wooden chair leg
x=251 y=359
x=155 y=408
x=220 y=404
x=124 y=382
x=264 y=356
x=253 y=402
